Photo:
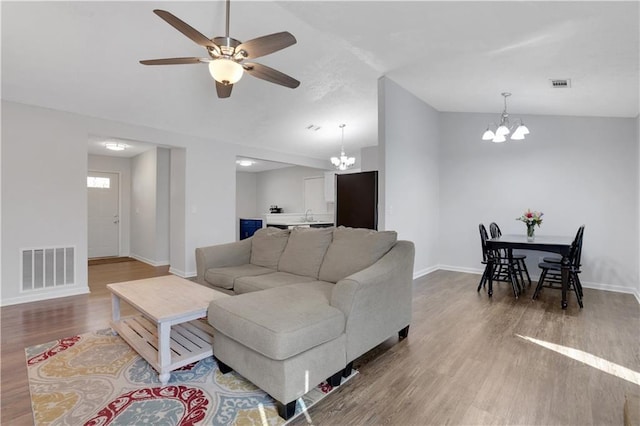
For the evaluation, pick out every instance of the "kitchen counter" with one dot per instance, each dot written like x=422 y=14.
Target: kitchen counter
x=291 y=220
x=304 y=224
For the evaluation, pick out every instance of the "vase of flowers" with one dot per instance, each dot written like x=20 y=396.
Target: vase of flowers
x=531 y=219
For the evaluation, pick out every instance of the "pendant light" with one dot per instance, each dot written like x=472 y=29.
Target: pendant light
x=343 y=162
x=505 y=127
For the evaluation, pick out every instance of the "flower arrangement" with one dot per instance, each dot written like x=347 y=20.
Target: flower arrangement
x=531 y=219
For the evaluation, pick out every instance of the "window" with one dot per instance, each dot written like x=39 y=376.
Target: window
x=98 y=182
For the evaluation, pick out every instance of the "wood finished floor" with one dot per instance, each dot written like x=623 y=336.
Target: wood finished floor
x=463 y=362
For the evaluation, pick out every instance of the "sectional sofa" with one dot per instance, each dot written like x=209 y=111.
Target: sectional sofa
x=308 y=302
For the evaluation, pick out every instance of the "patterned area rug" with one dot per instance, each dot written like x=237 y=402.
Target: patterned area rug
x=97 y=379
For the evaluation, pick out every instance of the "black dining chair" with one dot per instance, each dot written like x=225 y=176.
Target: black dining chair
x=552 y=270
x=504 y=269
x=520 y=265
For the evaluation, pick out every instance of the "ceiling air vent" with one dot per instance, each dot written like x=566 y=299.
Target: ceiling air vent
x=560 y=83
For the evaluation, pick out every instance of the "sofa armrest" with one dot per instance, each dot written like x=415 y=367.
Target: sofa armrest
x=230 y=254
x=377 y=300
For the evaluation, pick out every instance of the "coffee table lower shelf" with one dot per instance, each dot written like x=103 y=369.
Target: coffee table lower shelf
x=189 y=342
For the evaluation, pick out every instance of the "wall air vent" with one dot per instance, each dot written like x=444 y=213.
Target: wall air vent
x=44 y=268
x=560 y=83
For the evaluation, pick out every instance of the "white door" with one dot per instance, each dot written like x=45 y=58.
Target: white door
x=104 y=220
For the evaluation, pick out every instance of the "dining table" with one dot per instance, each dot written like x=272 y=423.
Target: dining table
x=553 y=244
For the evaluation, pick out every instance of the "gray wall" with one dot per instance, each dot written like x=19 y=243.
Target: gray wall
x=577 y=170
x=150 y=207
x=369 y=159
x=410 y=143
x=246 y=194
x=284 y=188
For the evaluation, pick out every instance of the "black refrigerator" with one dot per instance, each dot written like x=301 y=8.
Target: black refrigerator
x=357 y=200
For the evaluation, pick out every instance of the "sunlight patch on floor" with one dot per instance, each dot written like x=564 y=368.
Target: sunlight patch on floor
x=590 y=360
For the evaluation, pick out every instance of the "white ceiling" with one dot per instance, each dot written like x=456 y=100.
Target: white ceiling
x=457 y=56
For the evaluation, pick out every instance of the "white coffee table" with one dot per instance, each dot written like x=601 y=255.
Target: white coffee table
x=167 y=332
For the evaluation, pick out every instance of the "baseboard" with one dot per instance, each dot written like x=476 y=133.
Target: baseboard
x=149 y=261
x=460 y=269
x=585 y=284
x=44 y=295
x=181 y=274
x=423 y=272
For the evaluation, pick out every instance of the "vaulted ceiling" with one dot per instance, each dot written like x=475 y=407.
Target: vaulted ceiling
x=457 y=56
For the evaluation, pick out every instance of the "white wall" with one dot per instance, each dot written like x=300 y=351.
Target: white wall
x=577 y=170
x=44 y=194
x=246 y=198
x=410 y=138
x=177 y=211
x=163 y=157
x=369 y=159
x=638 y=203
x=44 y=167
x=143 y=206
x=246 y=195
x=284 y=188
x=122 y=166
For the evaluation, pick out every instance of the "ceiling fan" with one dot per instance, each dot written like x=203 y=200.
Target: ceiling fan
x=227 y=55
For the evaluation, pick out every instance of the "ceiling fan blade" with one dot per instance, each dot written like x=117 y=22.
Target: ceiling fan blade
x=173 y=61
x=185 y=28
x=267 y=44
x=224 y=90
x=269 y=74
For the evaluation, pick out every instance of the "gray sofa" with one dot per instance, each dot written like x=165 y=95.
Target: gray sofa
x=309 y=301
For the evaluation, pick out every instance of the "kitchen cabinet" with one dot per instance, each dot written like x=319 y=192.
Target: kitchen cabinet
x=248 y=227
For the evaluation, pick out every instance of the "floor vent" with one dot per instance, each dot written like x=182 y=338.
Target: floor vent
x=560 y=84
x=44 y=268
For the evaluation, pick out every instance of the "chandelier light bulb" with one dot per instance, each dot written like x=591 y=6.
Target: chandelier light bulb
x=488 y=135
x=343 y=162
x=505 y=127
x=502 y=130
x=225 y=71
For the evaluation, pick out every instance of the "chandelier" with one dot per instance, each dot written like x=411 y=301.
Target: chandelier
x=505 y=128
x=343 y=162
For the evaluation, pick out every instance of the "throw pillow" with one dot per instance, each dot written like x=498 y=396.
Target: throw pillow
x=305 y=250
x=267 y=245
x=354 y=249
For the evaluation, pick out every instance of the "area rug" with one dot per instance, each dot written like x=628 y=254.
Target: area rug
x=97 y=379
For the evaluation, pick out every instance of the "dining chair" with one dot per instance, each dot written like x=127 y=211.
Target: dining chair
x=520 y=265
x=504 y=269
x=552 y=270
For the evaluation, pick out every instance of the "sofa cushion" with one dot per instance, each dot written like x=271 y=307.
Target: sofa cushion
x=281 y=322
x=354 y=249
x=225 y=277
x=267 y=245
x=305 y=251
x=263 y=282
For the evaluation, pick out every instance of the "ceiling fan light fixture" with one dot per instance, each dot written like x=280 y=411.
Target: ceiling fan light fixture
x=225 y=71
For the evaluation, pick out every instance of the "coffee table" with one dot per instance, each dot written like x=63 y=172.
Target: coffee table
x=167 y=332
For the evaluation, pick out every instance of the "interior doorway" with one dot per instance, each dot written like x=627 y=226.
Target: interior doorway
x=103 y=208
